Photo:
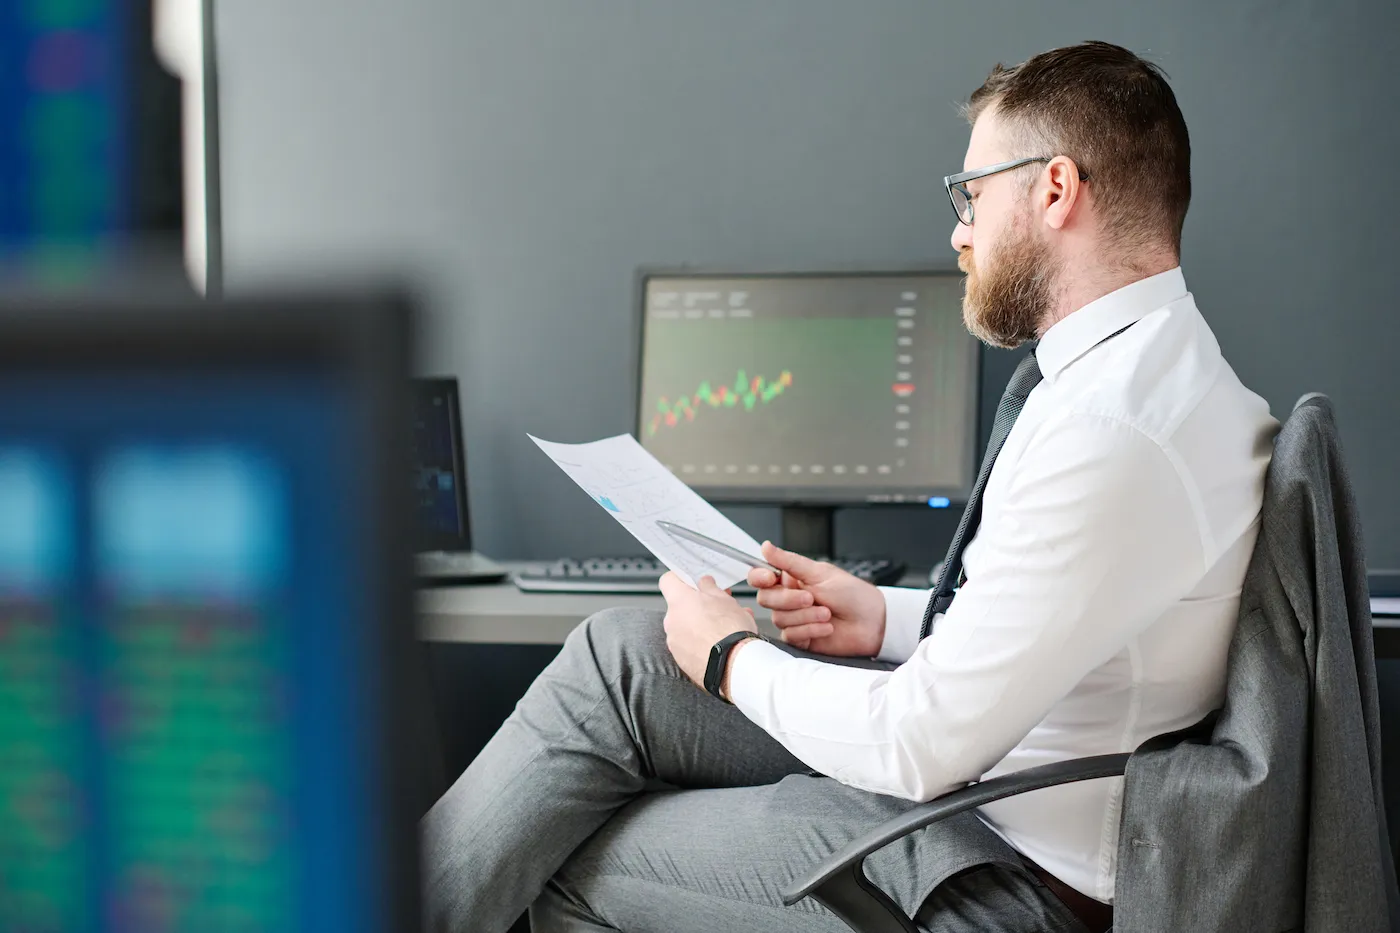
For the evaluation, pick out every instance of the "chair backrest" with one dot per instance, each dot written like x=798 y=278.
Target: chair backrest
x=1268 y=792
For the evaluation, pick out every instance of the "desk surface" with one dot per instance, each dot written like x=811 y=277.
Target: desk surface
x=498 y=613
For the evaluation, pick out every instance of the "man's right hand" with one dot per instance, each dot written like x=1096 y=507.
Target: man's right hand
x=819 y=607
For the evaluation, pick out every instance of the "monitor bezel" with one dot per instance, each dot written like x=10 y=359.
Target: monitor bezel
x=363 y=336
x=442 y=540
x=850 y=496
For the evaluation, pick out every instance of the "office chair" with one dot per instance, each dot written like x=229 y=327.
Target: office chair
x=839 y=882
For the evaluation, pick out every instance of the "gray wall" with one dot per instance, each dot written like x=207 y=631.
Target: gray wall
x=524 y=157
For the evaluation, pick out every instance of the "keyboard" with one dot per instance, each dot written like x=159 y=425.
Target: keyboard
x=642 y=575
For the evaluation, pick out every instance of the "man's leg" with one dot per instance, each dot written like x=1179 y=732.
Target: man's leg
x=611 y=715
x=715 y=861
x=610 y=718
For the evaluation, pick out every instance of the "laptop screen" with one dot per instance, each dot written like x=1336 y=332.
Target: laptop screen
x=437 y=466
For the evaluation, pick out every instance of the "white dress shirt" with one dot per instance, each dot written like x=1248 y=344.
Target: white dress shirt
x=1101 y=594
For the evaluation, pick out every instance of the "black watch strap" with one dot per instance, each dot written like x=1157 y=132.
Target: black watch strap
x=719 y=660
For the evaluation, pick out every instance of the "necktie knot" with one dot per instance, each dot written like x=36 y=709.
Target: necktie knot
x=1026 y=377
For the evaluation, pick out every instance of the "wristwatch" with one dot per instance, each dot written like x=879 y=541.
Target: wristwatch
x=719 y=660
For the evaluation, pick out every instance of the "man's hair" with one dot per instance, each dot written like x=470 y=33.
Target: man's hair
x=1115 y=115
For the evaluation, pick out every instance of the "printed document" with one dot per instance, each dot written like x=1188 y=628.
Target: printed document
x=637 y=490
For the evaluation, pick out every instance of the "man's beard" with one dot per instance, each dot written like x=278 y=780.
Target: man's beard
x=1010 y=294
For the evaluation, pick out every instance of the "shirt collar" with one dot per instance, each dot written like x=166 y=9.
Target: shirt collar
x=1076 y=334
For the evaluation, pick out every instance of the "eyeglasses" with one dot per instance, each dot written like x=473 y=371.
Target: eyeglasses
x=961 y=198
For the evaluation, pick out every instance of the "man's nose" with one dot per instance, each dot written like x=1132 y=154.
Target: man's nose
x=962 y=237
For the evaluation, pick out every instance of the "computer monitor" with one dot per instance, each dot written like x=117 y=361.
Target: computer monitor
x=811 y=389
x=205 y=614
x=91 y=171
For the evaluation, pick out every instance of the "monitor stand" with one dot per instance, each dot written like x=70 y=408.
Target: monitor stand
x=807 y=529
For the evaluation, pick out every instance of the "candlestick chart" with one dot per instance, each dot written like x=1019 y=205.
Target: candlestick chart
x=746 y=393
x=734 y=393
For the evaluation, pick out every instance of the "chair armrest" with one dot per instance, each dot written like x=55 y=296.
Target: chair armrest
x=854 y=852
x=839 y=884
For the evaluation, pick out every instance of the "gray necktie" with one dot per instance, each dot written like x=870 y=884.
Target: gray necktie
x=1025 y=378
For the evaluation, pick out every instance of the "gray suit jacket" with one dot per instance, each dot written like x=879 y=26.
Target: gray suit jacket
x=1273 y=821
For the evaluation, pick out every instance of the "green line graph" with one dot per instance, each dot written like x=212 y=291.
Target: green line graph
x=746 y=392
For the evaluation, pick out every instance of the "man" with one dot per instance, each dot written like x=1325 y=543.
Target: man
x=1099 y=569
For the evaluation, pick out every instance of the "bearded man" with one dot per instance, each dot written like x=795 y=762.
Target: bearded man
x=1086 y=604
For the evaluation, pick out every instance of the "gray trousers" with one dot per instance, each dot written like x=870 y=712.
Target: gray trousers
x=620 y=796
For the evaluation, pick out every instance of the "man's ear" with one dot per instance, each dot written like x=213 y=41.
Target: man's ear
x=1061 y=191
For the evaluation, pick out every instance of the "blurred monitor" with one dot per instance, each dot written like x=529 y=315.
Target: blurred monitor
x=442 y=529
x=90 y=144
x=813 y=388
x=204 y=613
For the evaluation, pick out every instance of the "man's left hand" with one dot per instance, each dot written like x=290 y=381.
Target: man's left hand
x=696 y=619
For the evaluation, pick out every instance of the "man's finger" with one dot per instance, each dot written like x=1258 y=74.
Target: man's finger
x=760 y=578
x=795 y=640
x=709 y=587
x=777 y=598
x=803 y=568
x=673 y=587
x=802 y=617
x=802 y=636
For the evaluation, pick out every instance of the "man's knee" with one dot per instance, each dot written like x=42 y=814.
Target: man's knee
x=613 y=637
x=622 y=624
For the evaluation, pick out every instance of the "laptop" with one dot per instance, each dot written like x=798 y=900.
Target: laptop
x=445 y=554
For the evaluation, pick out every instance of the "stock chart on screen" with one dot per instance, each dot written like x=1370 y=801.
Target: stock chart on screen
x=838 y=384
x=175 y=752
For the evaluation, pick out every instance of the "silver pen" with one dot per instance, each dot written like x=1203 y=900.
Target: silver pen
x=681 y=531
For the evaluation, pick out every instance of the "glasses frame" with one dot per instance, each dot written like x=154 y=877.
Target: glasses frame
x=959 y=181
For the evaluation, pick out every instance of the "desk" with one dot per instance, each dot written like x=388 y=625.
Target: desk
x=500 y=614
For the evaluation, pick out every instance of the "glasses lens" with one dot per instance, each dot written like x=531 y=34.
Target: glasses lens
x=961 y=204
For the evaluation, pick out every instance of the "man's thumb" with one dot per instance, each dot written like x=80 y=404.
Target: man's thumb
x=803 y=568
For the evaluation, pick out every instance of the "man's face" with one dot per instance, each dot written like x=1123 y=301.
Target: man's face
x=1010 y=271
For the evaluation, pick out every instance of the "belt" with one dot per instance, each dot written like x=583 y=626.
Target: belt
x=1096 y=915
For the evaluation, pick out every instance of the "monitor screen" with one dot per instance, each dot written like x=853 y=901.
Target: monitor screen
x=90 y=160
x=849 y=388
x=191 y=666
x=435 y=459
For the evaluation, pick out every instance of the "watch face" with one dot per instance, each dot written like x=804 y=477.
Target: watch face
x=714 y=670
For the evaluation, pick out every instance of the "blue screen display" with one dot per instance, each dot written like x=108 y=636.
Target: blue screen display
x=65 y=87
x=188 y=697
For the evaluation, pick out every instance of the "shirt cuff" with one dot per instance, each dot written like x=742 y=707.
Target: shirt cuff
x=751 y=675
x=904 y=616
